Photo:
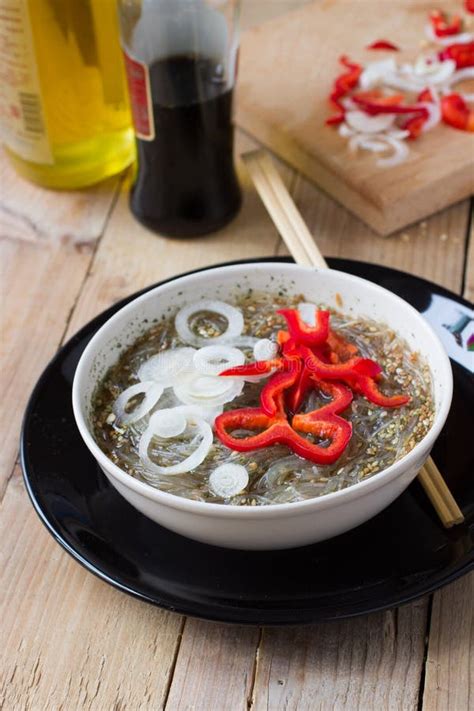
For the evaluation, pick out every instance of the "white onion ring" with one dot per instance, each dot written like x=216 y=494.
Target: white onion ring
x=212 y=360
x=434 y=114
x=460 y=75
x=460 y=38
x=207 y=390
x=234 y=318
x=363 y=123
x=152 y=391
x=344 y=130
x=265 y=349
x=381 y=143
x=375 y=73
x=228 y=480
x=168 y=423
x=165 y=366
x=400 y=153
x=191 y=462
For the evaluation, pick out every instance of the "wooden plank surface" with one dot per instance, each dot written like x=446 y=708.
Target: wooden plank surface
x=373 y=662
x=287 y=69
x=47 y=243
x=69 y=641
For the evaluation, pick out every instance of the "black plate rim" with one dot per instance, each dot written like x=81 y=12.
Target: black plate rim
x=247 y=615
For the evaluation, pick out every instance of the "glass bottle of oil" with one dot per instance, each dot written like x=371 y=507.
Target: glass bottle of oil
x=64 y=110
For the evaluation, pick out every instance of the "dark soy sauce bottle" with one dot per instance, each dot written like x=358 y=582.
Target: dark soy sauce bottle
x=186 y=184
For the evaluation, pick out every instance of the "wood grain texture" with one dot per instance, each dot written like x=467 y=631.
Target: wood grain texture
x=214 y=668
x=287 y=69
x=68 y=641
x=339 y=233
x=373 y=662
x=46 y=245
x=469 y=274
x=449 y=681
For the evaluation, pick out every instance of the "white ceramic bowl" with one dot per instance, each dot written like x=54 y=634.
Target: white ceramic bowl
x=279 y=525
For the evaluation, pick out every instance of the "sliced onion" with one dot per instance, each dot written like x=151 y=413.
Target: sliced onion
x=208 y=390
x=188 y=464
x=434 y=114
x=376 y=72
x=362 y=140
x=265 y=349
x=164 y=367
x=308 y=312
x=460 y=75
x=228 y=480
x=380 y=144
x=400 y=153
x=344 y=130
x=234 y=317
x=362 y=122
x=168 y=423
x=212 y=360
x=152 y=392
x=398 y=133
x=460 y=38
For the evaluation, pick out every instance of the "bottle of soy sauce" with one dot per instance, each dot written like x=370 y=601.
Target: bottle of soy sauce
x=180 y=57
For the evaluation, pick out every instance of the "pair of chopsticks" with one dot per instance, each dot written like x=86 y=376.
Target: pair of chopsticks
x=304 y=250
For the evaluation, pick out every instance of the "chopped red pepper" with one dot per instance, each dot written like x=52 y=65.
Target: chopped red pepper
x=323 y=423
x=302 y=333
x=335 y=120
x=425 y=95
x=312 y=357
x=345 y=82
x=441 y=26
x=456 y=113
x=414 y=125
x=278 y=383
x=462 y=54
x=376 y=106
x=469 y=5
x=383 y=44
x=376 y=97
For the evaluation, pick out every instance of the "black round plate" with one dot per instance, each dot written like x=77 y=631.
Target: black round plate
x=399 y=555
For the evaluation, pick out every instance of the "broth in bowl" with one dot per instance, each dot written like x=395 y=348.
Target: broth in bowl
x=264 y=400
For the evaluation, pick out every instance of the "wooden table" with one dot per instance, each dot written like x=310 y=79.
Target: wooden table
x=71 y=642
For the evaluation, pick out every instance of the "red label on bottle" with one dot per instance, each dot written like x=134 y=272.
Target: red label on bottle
x=140 y=98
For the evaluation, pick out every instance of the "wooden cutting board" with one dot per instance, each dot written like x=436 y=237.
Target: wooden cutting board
x=287 y=68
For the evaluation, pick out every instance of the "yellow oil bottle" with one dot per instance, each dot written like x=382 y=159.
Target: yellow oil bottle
x=64 y=111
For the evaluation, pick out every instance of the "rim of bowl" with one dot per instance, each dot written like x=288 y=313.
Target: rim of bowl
x=271 y=511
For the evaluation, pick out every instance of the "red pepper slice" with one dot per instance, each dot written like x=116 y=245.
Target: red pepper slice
x=324 y=423
x=375 y=96
x=414 y=125
x=462 y=54
x=425 y=95
x=456 y=113
x=469 y=5
x=441 y=26
x=376 y=106
x=335 y=120
x=345 y=82
x=359 y=373
x=299 y=330
x=367 y=387
x=383 y=44
x=272 y=390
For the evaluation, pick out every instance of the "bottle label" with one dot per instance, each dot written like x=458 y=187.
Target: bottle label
x=140 y=97
x=22 y=121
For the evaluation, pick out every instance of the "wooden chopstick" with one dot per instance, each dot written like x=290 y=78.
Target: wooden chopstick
x=304 y=250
